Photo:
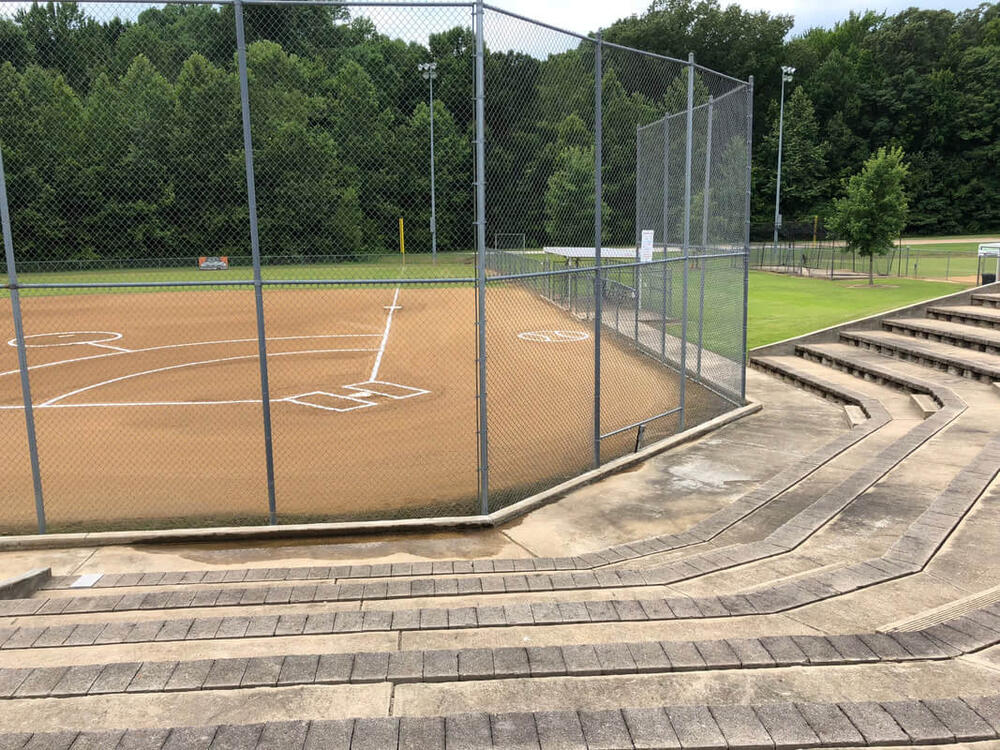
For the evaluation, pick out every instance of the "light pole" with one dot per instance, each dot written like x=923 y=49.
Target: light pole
x=786 y=77
x=429 y=72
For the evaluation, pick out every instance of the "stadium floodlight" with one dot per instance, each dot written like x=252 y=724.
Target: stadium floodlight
x=787 y=72
x=429 y=72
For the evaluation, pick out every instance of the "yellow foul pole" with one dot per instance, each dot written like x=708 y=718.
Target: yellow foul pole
x=402 y=240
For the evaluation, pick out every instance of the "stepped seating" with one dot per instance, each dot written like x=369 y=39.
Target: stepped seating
x=743 y=727
x=599 y=649
x=986 y=300
x=974 y=315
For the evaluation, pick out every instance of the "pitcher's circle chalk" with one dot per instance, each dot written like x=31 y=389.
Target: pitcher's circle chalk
x=67 y=338
x=554 y=337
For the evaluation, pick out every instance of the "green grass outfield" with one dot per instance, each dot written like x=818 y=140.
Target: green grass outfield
x=780 y=306
x=448 y=266
x=785 y=306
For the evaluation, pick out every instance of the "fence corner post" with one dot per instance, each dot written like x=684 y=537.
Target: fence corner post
x=688 y=155
x=265 y=391
x=746 y=241
x=598 y=229
x=484 y=486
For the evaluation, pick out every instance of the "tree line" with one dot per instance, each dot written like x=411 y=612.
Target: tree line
x=122 y=137
x=924 y=81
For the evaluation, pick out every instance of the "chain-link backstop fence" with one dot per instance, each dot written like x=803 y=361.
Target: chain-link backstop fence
x=278 y=262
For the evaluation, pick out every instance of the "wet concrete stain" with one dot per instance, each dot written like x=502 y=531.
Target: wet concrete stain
x=439 y=546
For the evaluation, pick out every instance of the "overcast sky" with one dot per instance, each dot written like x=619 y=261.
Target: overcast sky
x=588 y=15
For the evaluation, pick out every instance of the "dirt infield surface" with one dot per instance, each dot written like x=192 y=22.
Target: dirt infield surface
x=148 y=405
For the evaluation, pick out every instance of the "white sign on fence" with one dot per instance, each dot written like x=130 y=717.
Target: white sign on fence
x=646 y=248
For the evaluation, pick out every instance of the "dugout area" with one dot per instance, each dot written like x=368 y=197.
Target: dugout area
x=148 y=409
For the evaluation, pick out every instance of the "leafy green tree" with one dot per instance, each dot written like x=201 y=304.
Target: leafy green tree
x=805 y=184
x=569 y=199
x=209 y=207
x=453 y=181
x=42 y=126
x=14 y=47
x=623 y=111
x=309 y=211
x=127 y=179
x=62 y=37
x=873 y=212
x=363 y=132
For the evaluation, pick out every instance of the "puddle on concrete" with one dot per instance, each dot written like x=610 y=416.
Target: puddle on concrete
x=440 y=546
x=697 y=473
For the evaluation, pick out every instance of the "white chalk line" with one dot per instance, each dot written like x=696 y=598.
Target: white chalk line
x=365 y=391
x=385 y=336
x=53 y=403
x=361 y=398
x=43 y=365
x=119 y=379
x=112 y=336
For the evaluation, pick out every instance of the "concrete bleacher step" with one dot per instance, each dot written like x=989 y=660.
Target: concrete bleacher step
x=756 y=726
x=965 y=632
x=893 y=396
x=951 y=359
x=986 y=300
x=974 y=315
x=870 y=367
x=956 y=334
x=790 y=370
x=924 y=403
x=855 y=415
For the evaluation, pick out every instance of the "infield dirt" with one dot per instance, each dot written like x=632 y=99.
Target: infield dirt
x=162 y=426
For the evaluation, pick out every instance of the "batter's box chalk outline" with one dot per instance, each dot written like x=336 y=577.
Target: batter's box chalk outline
x=394 y=391
x=360 y=398
x=357 y=402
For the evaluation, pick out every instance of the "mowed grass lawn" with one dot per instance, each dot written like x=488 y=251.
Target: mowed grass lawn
x=780 y=306
x=785 y=306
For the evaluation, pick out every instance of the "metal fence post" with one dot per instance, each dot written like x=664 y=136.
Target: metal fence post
x=663 y=319
x=746 y=265
x=637 y=280
x=666 y=183
x=484 y=497
x=638 y=189
x=701 y=315
x=241 y=54
x=22 y=353
x=687 y=238
x=667 y=275
x=598 y=228
x=434 y=231
x=708 y=178
x=705 y=195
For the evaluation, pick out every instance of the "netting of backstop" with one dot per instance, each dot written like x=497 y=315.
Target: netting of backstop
x=278 y=263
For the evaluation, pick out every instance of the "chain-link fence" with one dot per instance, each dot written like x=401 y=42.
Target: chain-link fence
x=835 y=262
x=280 y=263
